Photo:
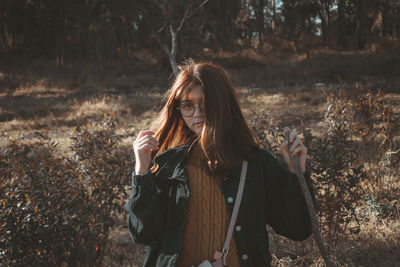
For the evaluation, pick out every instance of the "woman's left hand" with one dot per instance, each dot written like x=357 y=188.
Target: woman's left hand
x=298 y=149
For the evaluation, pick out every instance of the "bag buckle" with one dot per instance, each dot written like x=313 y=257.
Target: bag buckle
x=221 y=255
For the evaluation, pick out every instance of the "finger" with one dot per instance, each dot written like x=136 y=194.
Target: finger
x=148 y=141
x=299 y=149
x=145 y=147
x=284 y=143
x=285 y=155
x=292 y=135
x=295 y=144
x=145 y=132
x=286 y=131
x=148 y=137
x=152 y=138
x=284 y=146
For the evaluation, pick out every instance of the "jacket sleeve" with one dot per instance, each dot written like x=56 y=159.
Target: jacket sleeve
x=146 y=209
x=286 y=208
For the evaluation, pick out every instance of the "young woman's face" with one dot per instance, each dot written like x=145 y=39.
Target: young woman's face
x=192 y=109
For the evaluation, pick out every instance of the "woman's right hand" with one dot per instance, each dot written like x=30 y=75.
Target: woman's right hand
x=143 y=146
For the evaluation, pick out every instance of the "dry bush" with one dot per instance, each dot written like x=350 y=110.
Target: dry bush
x=44 y=208
x=375 y=123
x=337 y=182
x=104 y=171
x=377 y=126
x=58 y=210
x=349 y=195
x=337 y=174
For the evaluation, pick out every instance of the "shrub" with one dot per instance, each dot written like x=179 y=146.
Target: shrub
x=377 y=126
x=338 y=175
x=375 y=123
x=336 y=179
x=105 y=172
x=56 y=209
x=360 y=133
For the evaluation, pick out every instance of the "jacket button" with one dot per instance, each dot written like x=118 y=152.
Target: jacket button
x=230 y=199
x=238 y=228
x=245 y=257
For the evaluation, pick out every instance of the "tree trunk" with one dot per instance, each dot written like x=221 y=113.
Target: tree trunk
x=394 y=22
x=362 y=17
x=59 y=36
x=273 y=23
x=309 y=37
x=260 y=23
x=59 y=46
x=60 y=53
x=385 y=19
x=341 y=24
x=324 y=28
x=172 y=52
x=4 y=36
x=328 y=22
x=173 y=30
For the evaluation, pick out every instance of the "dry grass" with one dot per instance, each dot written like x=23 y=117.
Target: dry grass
x=57 y=105
x=377 y=243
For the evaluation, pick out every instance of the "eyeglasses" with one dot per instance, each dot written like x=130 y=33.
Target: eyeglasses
x=187 y=109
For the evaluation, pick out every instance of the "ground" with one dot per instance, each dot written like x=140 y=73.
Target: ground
x=44 y=97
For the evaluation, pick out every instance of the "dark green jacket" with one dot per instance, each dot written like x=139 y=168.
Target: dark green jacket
x=157 y=207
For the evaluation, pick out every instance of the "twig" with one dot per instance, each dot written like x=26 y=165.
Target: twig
x=310 y=206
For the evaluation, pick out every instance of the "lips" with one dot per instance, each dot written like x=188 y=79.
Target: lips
x=198 y=123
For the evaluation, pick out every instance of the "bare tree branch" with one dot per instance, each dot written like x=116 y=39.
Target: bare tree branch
x=188 y=15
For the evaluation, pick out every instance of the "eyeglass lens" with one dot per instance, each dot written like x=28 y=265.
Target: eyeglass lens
x=187 y=108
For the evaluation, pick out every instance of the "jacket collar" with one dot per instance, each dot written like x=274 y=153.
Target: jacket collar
x=172 y=163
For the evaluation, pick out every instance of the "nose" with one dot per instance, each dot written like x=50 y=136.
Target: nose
x=198 y=111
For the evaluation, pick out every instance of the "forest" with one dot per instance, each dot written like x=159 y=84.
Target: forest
x=79 y=80
x=67 y=31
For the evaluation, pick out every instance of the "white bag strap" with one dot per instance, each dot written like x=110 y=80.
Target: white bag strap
x=235 y=211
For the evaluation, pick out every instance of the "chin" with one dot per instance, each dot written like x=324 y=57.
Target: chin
x=198 y=132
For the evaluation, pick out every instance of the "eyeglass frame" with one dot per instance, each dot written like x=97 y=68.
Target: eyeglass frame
x=194 y=109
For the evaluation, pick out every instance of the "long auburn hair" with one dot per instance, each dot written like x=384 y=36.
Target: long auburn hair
x=226 y=139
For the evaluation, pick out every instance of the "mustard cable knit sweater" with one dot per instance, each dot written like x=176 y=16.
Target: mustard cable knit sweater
x=207 y=218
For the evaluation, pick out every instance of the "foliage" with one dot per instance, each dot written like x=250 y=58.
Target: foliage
x=58 y=210
x=339 y=177
x=337 y=158
x=267 y=135
x=98 y=29
x=375 y=123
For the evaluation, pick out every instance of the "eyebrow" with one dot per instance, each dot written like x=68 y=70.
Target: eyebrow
x=192 y=100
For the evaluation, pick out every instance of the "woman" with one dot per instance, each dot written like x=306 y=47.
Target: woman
x=187 y=173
